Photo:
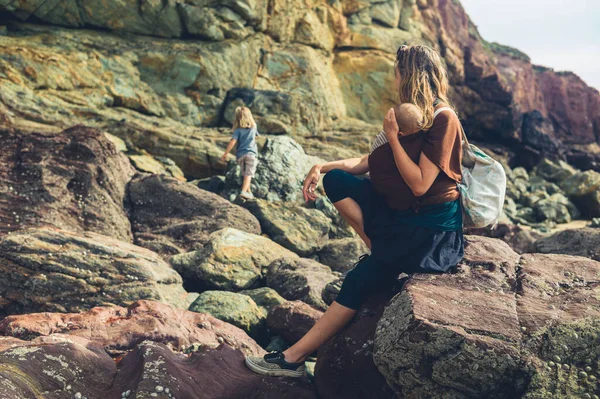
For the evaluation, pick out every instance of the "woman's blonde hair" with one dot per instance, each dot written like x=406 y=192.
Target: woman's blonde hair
x=423 y=79
x=243 y=118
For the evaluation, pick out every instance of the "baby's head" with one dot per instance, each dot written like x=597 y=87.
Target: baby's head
x=409 y=118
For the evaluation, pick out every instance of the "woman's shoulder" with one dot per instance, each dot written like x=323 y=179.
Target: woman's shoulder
x=445 y=116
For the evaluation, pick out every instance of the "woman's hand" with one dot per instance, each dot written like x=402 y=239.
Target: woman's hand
x=311 y=182
x=390 y=126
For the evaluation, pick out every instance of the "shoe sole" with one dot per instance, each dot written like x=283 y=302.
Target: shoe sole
x=273 y=373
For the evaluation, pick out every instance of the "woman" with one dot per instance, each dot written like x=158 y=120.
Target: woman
x=408 y=212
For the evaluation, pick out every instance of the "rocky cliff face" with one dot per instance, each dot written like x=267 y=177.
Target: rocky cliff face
x=172 y=67
x=153 y=85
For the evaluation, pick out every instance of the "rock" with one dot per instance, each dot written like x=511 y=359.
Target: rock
x=214 y=184
x=170 y=19
x=476 y=336
x=300 y=279
x=170 y=216
x=558 y=280
x=237 y=309
x=554 y=172
x=331 y=291
x=345 y=367
x=520 y=173
x=341 y=255
x=48 y=367
x=521 y=240
x=556 y=208
x=357 y=92
x=146 y=368
x=292 y=320
x=230 y=260
x=74 y=180
x=161 y=97
x=338 y=226
x=274 y=112
x=157 y=165
x=282 y=167
x=217 y=373
x=117 y=329
x=266 y=298
x=579 y=242
x=59 y=271
x=299 y=229
x=584 y=190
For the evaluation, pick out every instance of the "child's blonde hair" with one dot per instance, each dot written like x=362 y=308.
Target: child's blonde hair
x=243 y=118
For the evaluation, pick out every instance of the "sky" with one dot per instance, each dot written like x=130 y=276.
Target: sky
x=560 y=34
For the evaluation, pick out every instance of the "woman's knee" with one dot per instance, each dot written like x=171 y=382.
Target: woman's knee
x=333 y=183
x=358 y=284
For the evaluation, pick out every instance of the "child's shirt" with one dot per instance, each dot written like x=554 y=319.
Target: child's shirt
x=246 y=141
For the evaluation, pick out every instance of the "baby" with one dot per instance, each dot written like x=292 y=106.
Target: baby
x=410 y=120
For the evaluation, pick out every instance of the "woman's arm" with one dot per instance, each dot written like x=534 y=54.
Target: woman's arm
x=355 y=166
x=418 y=177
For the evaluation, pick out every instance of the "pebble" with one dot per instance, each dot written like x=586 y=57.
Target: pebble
x=586 y=396
x=588 y=368
x=592 y=378
x=583 y=374
x=159 y=388
x=595 y=397
x=78 y=395
x=551 y=363
x=566 y=366
x=557 y=358
x=220 y=340
x=523 y=329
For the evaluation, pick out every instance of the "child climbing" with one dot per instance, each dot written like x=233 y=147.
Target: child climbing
x=244 y=134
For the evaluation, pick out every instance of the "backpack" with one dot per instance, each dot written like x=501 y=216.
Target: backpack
x=483 y=184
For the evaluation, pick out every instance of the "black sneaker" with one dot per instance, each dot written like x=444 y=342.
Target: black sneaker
x=274 y=364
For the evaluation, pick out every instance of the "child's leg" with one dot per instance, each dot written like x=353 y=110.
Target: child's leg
x=246 y=183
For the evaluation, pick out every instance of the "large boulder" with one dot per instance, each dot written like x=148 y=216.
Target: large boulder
x=579 y=242
x=554 y=172
x=266 y=298
x=341 y=255
x=282 y=167
x=584 y=189
x=292 y=320
x=117 y=329
x=170 y=216
x=135 y=352
x=74 y=180
x=300 y=279
x=173 y=18
x=230 y=260
x=59 y=271
x=237 y=309
x=491 y=329
x=299 y=229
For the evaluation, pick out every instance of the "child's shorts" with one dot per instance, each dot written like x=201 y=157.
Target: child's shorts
x=248 y=164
